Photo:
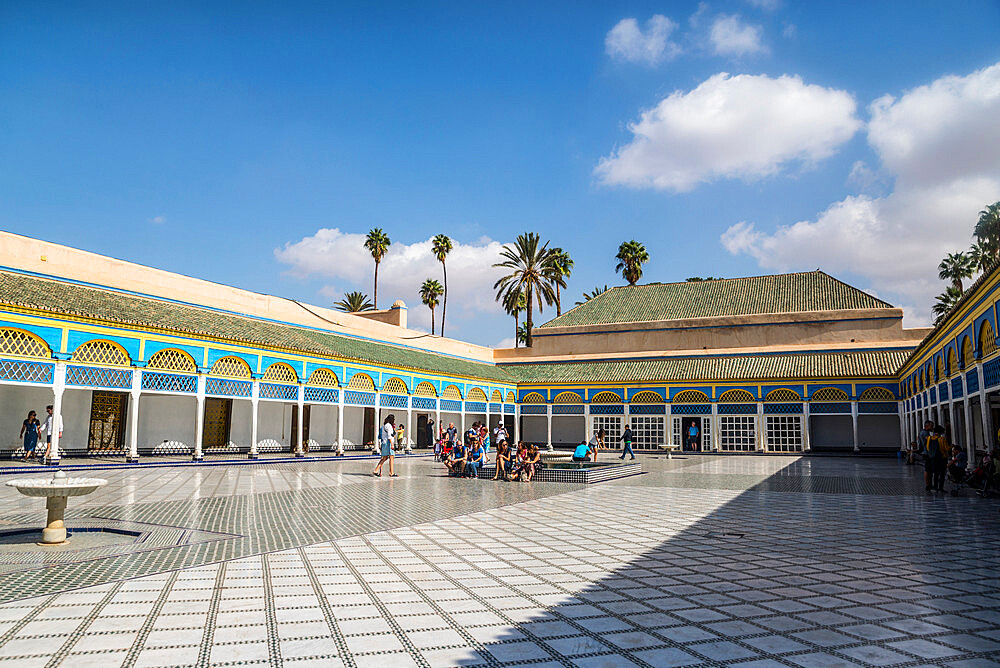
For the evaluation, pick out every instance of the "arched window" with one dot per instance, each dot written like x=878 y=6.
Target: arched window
x=737 y=397
x=230 y=367
x=877 y=394
x=968 y=354
x=172 y=359
x=451 y=392
x=394 y=386
x=101 y=352
x=279 y=372
x=690 y=397
x=605 y=398
x=940 y=368
x=952 y=361
x=476 y=394
x=829 y=394
x=323 y=377
x=782 y=394
x=533 y=398
x=987 y=340
x=19 y=343
x=511 y=398
x=361 y=382
x=646 y=397
x=568 y=398
x=424 y=389
x=496 y=397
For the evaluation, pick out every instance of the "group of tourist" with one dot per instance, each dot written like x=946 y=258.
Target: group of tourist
x=942 y=460
x=32 y=431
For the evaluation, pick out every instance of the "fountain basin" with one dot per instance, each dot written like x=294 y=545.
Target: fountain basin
x=56 y=491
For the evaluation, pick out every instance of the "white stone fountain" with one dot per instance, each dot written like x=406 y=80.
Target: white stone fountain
x=56 y=491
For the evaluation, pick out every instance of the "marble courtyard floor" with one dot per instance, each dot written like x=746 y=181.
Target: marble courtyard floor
x=703 y=560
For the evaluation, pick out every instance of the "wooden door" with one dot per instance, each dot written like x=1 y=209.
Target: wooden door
x=369 y=434
x=107 y=420
x=218 y=418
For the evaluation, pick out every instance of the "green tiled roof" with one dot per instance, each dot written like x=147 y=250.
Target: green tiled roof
x=785 y=366
x=782 y=293
x=143 y=312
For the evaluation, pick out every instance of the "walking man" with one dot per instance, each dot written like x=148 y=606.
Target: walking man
x=49 y=427
x=626 y=439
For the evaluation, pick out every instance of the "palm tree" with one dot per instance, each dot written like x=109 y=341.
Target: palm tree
x=981 y=256
x=562 y=267
x=354 y=302
x=945 y=303
x=954 y=267
x=527 y=260
x=588 y=296
x=522 y=334
x=514 y=302
x=429 y=293
x=377 y=242
x=441 y=245
x=988 y=227
x=631 y=256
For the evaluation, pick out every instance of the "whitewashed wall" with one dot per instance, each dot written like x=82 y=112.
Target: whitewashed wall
x=166 y=418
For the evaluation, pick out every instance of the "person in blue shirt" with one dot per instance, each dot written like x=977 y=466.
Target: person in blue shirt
x=693 y=431
x=582 y=453
x=456 y=460
x=476 y=459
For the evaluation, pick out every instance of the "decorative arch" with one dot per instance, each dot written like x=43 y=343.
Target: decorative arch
x=605 y=398
x=533 y=398
x=361 y=382
x=19 y=343
x=968 y=352
x=646 y=397
x=496 y=397
x=987 y=339
x=952 y=361
x=424 y=389
x=451 y=392
x=877 y=394
x=279 y=372
x=568 y=398
x=829 y=394
x=737 y=397
x=394 y=386
x=691 y=397
x=475 y=394
x=511 y=398
x=103 y=352
x=323 y=377
x=172 y=359
x=230 y=367
x=783 y=394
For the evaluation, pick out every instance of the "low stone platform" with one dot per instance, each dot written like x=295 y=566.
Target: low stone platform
x=574 y=473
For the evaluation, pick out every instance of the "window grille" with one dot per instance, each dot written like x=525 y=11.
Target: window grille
x=647 y=431
x=452 y=392
x=738 y=433
x=476 y=394
x=496 y=397
x=394 y=386
x=104 y=353
x=829 y=394
x=323 y=377
x=360 y=381
x=677 y=431
x=987 y=341
x=172 y=359
x=605 y=398
x=968 y=354
x=646 y=397
x=280 y=373
x=567 y=398
x=690 y=397
x=425 y=389
x=533 y=398
x=612 y=426
x=18 y=343
x=784 y=433
x=230 y=367
x=782 y=395
x=877 y=394
x=737 y=396
x=511 y=398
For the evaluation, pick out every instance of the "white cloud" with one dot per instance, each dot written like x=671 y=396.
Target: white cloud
x=628 y=41
x=505 y=343
x=766 y=5
x=332 y=254
x=731 y=36
x=939 y=142
x=745 y=126
x=158 y=219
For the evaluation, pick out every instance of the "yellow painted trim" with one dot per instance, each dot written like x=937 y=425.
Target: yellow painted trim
x=64 y=344
x=142 y=350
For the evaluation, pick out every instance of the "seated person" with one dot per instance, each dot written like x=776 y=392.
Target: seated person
x=477 y=457
x=911 y=453
x=957 y=464
x=503 y=460
x=531 y=461
x=582 y=452
x=456 y=460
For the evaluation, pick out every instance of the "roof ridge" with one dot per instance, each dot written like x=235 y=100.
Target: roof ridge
x=730 y=278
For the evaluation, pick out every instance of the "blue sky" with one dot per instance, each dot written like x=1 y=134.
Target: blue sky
x=221 y=140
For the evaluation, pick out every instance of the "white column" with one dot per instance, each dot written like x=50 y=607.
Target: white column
x=58 y=387
x=254 y=398
x=715 y=436
x=133 y=427
x=854 y=425
x=761 y=431
x=902 y=426
x=299 y=430
x=806 y=444
x=378 y=420
x=587 y=429
x=548 y=419
x=408 y=439
x=969 y=432
x=668 y=424
x=199 y=429
x=340 y=420
x=461 y=419
x=517 y=423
